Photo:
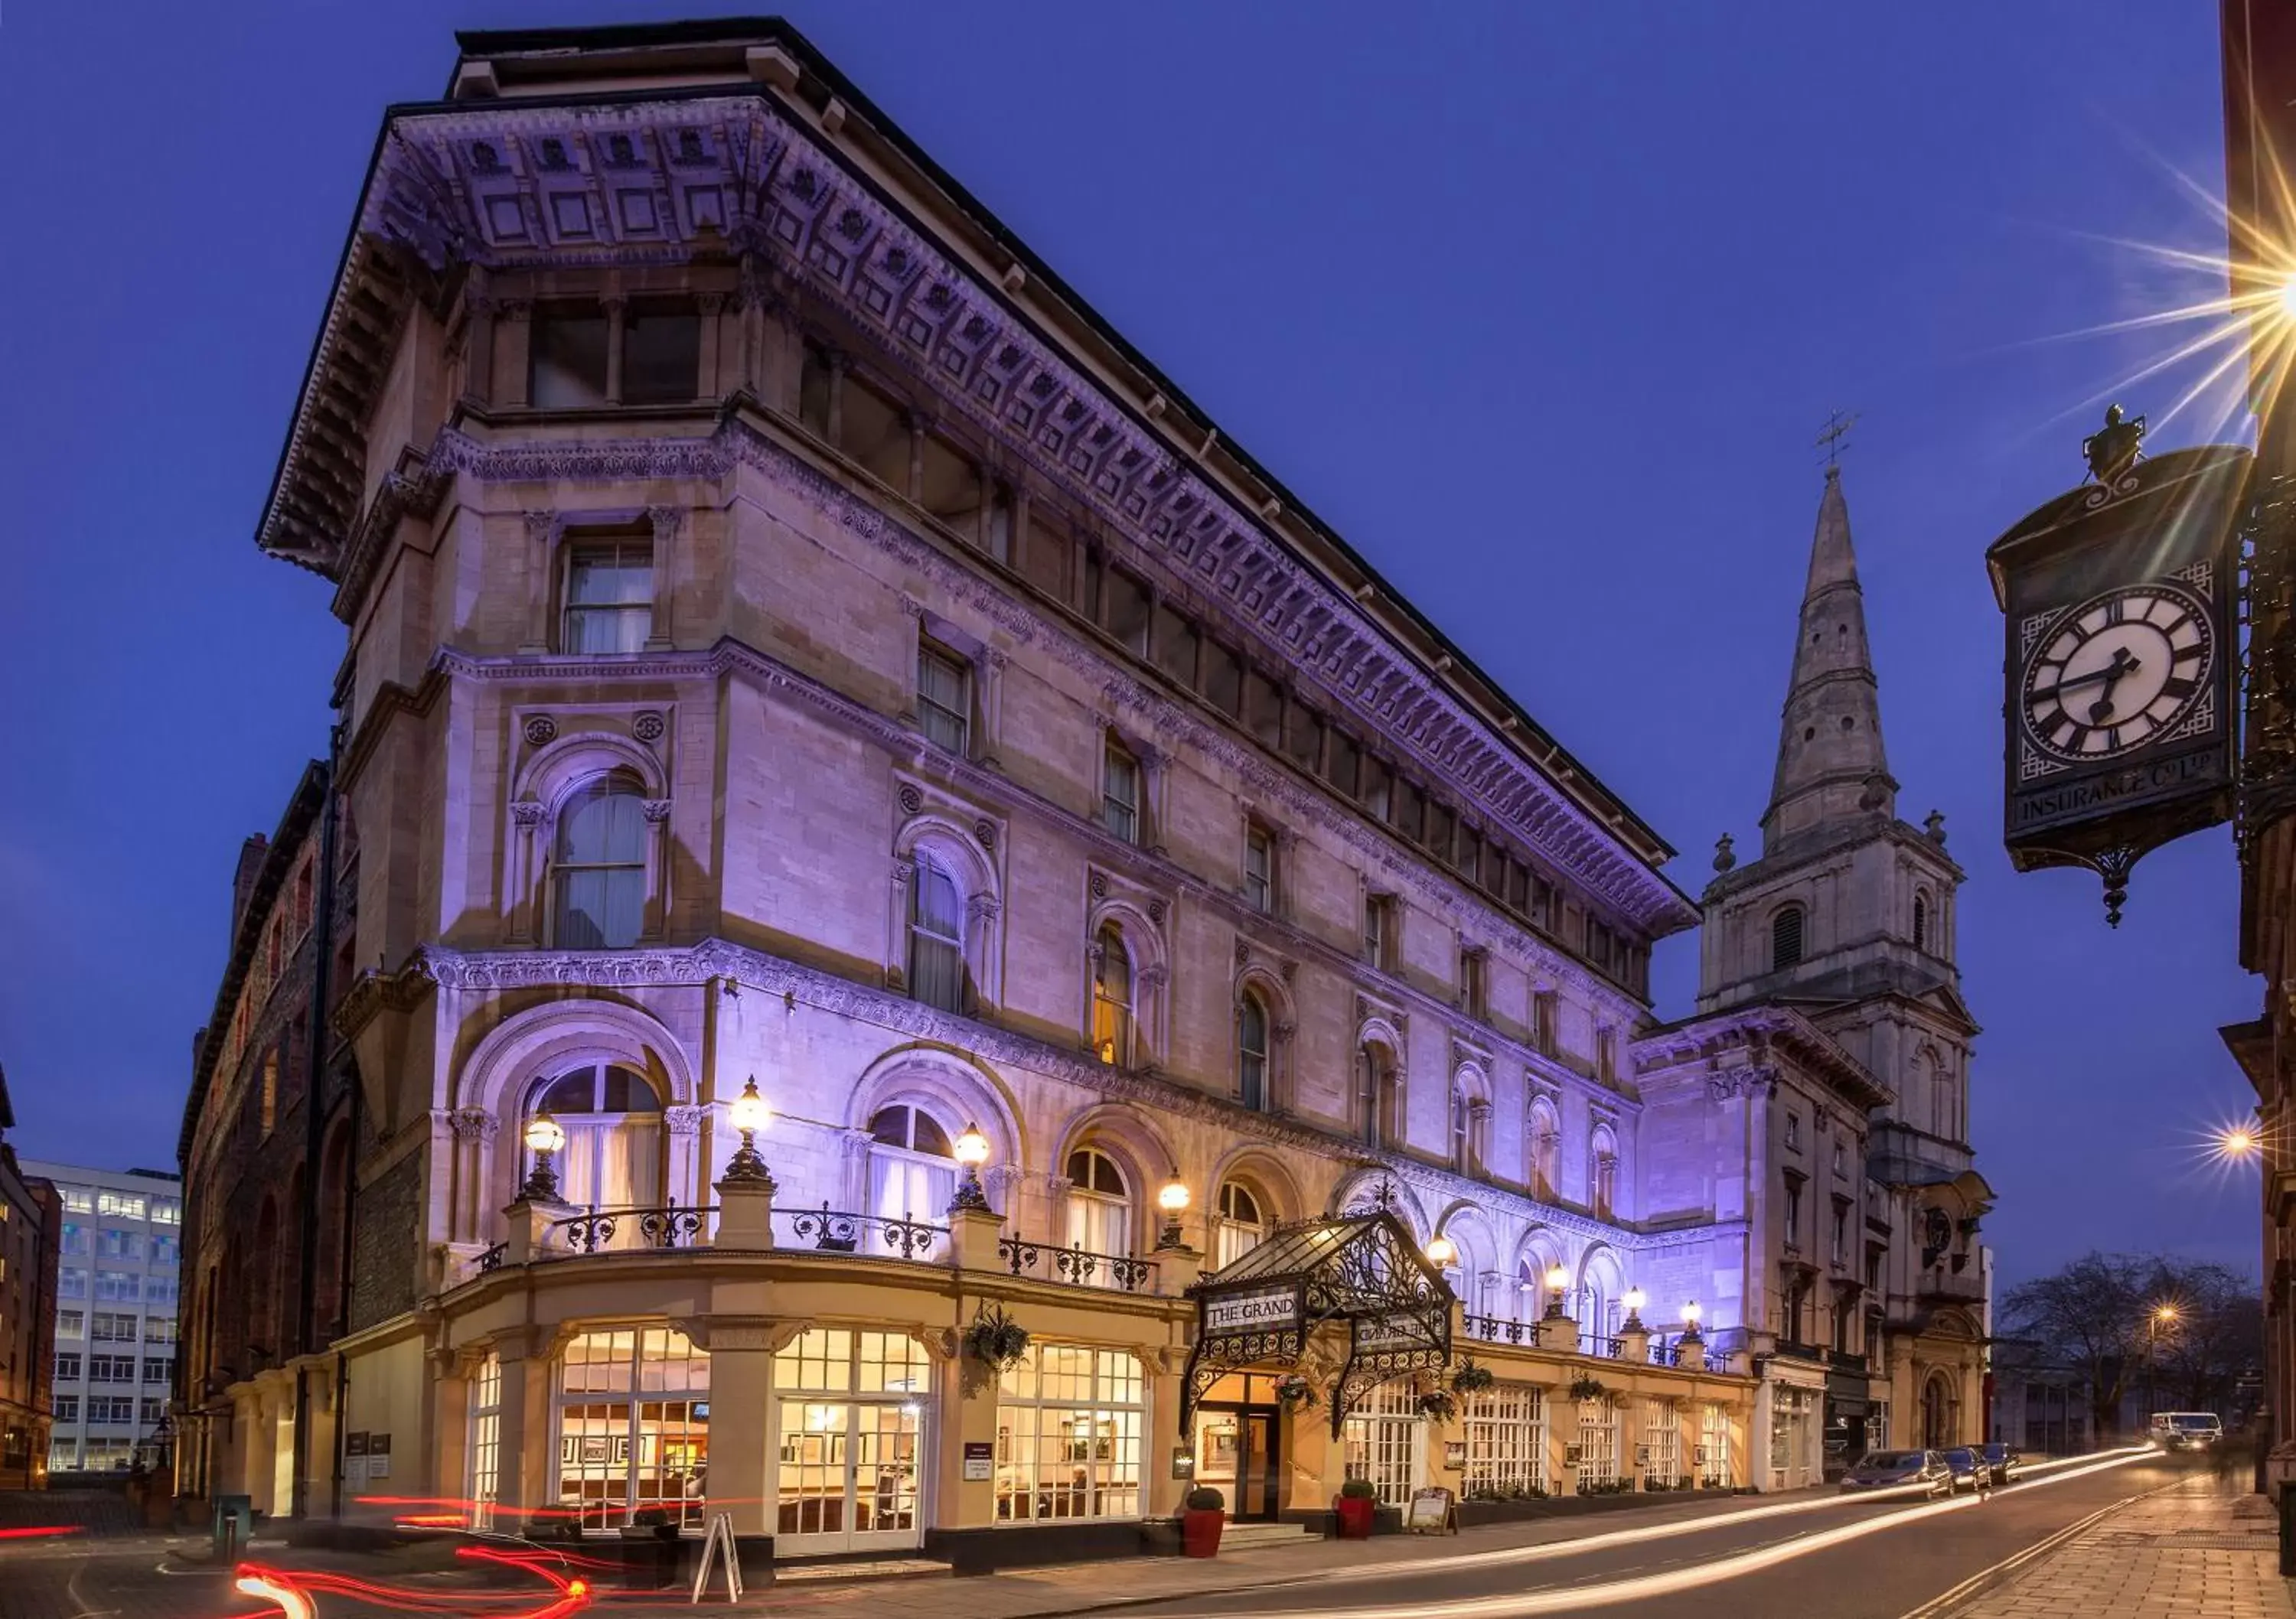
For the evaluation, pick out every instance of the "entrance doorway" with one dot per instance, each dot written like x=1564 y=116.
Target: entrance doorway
x=1239 y=1452
x=848 y=1478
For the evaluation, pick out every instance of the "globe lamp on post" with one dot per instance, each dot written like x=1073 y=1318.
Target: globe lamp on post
x=972 y=1152
x=1558 y=1280
x=1690 y=1313
x=1173 y=1201
x=1635 y=1300
x=750 y=1113
x=1442 y=1253
x=544 y=1137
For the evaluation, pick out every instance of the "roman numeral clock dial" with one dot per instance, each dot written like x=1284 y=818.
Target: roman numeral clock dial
x=2117 y=672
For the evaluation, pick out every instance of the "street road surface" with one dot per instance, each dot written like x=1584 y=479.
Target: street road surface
x=1915 y=1553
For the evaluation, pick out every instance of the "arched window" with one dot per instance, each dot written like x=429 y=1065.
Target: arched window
x=1382 y=1097
x=1112 y=1000
x=936 y=936
x=1251 y=1053
x=1785 y=938
x=1243 y=1223
x=1545 y=1151
x=1921 y=921
x=612 y=1119
x=1603 y=1179
x=599 y=867
x=1100 y=1204
x=1531 y=1287
x=912 y=1169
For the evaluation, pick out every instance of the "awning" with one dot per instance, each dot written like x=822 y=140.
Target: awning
x=1361 y=1270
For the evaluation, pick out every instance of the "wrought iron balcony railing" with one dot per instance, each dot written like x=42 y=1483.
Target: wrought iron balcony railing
x=831 y=1230
x=597 y=1231
x=1501 y=1330
x=1078 y=1267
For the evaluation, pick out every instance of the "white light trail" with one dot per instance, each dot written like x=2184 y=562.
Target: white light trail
x=1522 y=1604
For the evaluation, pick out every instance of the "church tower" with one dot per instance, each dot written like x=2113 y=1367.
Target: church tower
x=1849 y=914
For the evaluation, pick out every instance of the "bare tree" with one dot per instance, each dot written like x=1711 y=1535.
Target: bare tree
x=2091 y=1315
x=2103 y=1316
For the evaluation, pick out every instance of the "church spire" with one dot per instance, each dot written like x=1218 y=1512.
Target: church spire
x=1832 y=768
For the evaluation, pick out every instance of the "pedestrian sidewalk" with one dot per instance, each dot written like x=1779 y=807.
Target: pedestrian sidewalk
x=2203 y=1549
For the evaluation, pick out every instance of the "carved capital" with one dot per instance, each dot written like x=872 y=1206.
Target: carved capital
x=657 y=810
x=682 y=1121
x=666 y=522
x=474 y=1123
x=984 y=908
x=1154 y=976
x=710 y=304
x=543 y=527
x=527 y=813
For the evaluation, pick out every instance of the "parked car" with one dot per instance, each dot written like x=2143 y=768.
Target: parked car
x=1899 y=1470
x=1998 y=1459
x=1962 y=1464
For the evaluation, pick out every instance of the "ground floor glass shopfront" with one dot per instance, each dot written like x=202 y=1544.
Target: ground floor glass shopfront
x=849 y=1426
x=1386 y=1440
x=1506 y=1441
x=1598 y=1444
x=633 y=1427
x=1071 y=1424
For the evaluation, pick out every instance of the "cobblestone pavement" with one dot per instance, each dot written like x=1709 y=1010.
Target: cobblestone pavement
x=2201 y=1548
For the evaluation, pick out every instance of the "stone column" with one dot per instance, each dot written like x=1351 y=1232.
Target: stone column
x=542 y=531
x=521 y=1432
x=617 y=323
x=516 y=353
x=666 y=522
x=710 y=381
x=478 y=348
x=741 y=1396
x=684 y=1125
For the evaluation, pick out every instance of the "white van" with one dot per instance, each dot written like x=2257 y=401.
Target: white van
x=2187 y=1430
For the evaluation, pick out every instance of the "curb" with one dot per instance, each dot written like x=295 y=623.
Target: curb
x=1987 y=1581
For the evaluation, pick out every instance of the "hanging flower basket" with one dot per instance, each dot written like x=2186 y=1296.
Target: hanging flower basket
x=995 y=1339
x=1438 y=1404
x=1297 y=1393
x=1585 y=1389
x=1471 y=1378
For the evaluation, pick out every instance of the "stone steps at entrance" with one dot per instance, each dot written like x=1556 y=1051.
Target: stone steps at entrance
x=1255 y=1537
x=860 y=1568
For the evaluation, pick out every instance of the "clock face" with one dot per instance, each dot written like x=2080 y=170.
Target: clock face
x=2118 y=671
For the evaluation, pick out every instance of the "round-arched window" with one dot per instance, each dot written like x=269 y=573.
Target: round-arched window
x=1242 y=1223
x=1251 y=1053
x=936 y=936
x=1112 y=1000
x=598 y=866
x=1785 y=938
x=912 y=1167
x=1100 y=1204
x=612 y=1116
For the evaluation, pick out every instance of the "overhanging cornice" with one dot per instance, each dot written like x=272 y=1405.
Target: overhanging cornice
x=516 y=182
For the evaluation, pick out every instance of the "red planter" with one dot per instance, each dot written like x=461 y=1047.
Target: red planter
x=1200 y=1533
x=1356 y=1516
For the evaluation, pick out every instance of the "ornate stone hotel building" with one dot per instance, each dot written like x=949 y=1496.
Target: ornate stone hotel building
x=793 y=640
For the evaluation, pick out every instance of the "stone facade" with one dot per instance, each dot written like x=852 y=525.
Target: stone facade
x=263 y=1242
x=1828 y=991
x=793 y=641
x=31 y=1216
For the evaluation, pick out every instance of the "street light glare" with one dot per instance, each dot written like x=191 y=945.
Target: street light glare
x=2288 y=296
x=2237 y=1142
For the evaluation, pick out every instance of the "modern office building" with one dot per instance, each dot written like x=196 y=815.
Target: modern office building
x=30 y=1217
x=115 y=1313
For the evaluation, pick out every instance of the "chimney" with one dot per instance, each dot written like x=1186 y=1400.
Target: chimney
x=243 y=881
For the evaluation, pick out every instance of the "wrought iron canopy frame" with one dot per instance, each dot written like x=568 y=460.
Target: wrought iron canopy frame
x=1365 y=1270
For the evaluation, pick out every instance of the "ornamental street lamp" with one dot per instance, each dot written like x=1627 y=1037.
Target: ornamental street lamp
x=1557 y=1280
x=1173 y=1199
x=1635 y=1300
x=1442 y=1253
x=750 y=1113
x=972 y=1152
x=543 y=1138
x=1690 y=1313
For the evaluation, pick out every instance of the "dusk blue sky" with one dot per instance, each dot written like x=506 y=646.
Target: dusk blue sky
x=1539 y=305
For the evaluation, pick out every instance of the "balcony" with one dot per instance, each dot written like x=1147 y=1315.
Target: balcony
x=1943 y=1284
x=612 y=1233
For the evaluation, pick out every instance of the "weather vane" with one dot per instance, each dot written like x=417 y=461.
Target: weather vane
x=1838 y=424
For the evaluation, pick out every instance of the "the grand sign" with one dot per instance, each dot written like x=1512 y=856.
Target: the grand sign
x=1262 y=1310
x=2121 y=601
